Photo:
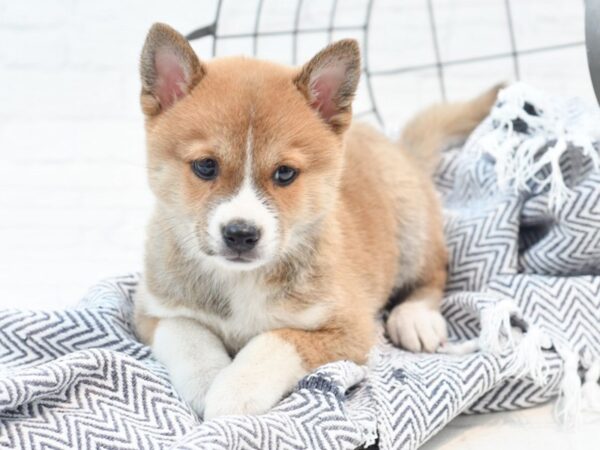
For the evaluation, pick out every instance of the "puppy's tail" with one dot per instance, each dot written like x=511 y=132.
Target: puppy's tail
x=440 y=125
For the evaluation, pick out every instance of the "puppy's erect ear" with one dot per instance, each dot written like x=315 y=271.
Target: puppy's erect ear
x=169 y=69
x=329 y=82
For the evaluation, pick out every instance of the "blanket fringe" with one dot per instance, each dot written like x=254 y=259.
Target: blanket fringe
x=460 y=348
x=496 y=332
x=529 y=358
x=567 y=408
x=576 y=397
x=498 y=336
x=529 y=139
x=590 y=391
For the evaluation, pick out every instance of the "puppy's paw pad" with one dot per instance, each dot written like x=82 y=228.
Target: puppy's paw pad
x=416 y=327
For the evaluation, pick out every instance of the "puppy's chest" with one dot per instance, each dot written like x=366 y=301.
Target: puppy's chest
x=251 y=311
x=249 y=308
x=255 y=308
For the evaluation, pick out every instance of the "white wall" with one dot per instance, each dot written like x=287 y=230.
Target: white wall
x=73 y=195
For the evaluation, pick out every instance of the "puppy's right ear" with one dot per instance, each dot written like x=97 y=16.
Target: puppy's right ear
x=169 y=69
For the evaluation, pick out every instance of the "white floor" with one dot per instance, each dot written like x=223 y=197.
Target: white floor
x=530 y=429
x=73 y=195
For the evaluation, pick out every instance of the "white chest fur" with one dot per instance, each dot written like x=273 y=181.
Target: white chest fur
x=252 y=311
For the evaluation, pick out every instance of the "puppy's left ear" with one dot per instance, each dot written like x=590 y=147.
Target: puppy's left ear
x=329 y=82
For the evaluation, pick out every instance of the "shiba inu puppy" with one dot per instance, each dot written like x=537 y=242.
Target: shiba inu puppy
x=280 y=230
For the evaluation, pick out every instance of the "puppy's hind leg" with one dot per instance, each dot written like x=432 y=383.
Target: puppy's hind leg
x=416 y=324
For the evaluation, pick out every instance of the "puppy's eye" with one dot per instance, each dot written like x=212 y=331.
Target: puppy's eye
x=207 y=169
x=284 y=175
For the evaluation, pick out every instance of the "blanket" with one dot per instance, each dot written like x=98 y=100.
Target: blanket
x=522 y=220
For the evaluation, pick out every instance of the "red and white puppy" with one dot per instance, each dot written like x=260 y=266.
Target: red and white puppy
x=280 y=230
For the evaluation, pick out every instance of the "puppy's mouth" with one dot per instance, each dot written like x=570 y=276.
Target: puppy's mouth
x=239 y=258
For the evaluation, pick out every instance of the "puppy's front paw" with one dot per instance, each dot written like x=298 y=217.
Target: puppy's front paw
x=416 y=327
x=193 y=386
x=259 y=376
x=236 y=391
x=194 y=392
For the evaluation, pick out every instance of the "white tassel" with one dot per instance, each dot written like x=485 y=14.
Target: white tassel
x=459 y=348
x=496 y=333
x=521 y=159
x=590 y=391
x=558 y=192
x=529 y=358
x=568 y=405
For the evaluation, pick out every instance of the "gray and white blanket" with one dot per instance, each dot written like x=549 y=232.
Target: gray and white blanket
x=522 y=208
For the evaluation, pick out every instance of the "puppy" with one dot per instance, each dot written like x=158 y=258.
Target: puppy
x=280 y=230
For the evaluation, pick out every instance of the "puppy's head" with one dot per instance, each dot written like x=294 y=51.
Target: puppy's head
x=244 y=156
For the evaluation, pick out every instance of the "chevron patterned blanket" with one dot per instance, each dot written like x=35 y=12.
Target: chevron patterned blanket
x=522 y=208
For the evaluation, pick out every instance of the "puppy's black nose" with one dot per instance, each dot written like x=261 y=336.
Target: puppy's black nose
x=240 y=236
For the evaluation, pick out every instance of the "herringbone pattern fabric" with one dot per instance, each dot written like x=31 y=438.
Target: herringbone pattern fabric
x=80 y=379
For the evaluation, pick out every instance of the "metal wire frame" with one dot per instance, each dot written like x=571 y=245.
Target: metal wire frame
x=592 y=42
x=212 y=30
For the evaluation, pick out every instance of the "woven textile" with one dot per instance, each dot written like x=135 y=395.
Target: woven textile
x=522 y=209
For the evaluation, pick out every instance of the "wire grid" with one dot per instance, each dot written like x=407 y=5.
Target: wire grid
x=212 y=31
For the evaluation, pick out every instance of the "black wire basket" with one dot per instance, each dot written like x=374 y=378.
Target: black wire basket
x=310 y=24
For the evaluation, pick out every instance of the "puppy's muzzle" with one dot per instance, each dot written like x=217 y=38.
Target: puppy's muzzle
x=240 y=236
